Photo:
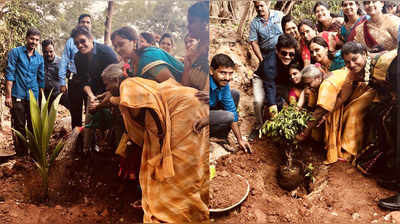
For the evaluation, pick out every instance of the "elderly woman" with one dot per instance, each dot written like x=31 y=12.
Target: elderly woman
x=159 y=117
x=344 y=98
x=320 y=53
x=379 y=33
x=150 y=62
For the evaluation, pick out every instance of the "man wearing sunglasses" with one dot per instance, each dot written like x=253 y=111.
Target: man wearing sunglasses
x=90 y=61
x=264 y=32
x=273 y=88
x=67 y=70
x=24 y=72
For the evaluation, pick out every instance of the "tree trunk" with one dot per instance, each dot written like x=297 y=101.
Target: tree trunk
x=244 y=18
x=107 y=32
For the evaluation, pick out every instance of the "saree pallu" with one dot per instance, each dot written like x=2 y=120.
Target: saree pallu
x=174 y=173
x=152 y=57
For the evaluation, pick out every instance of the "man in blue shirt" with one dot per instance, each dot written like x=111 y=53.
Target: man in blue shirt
x=224 y=101
x=67 y=69
x=24 y=72
x=264 y=32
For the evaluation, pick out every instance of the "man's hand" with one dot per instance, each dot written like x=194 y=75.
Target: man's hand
x=8 y=102
x=203 y=96
x=200 y=124
x=245 y=146
x=63 y=89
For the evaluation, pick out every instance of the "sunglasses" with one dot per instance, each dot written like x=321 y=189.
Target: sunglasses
x=80 y=41
x=285 y=53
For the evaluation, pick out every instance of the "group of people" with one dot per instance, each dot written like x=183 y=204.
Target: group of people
x=340 y=68
x=159 y=102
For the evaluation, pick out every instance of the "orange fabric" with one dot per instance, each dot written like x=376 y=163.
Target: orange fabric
x=344 y=127
x=174 y=176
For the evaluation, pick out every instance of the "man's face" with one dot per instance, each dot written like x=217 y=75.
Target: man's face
x=85 y=21
x=32 y=41
x=48 y=53
x=261 y=8
x=222 y=75
x=291 y=29
x=286 y=55
x=355 y=62
x=307 y=33
x=83 y=43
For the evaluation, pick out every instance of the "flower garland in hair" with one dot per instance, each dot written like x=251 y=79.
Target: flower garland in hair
x=367 y=70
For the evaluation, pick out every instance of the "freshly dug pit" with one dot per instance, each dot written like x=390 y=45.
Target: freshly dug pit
x=226 y=189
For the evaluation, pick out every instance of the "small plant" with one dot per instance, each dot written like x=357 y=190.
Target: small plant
x=38 y=141
x=286 y=124
x=309 y=172
x=283 y=128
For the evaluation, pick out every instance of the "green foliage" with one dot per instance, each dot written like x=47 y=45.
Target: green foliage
x=304 y=9
x=309 y=172
x=38 y=141
x=286 y=124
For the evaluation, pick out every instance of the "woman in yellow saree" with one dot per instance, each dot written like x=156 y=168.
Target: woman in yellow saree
x=159 y=117
x=342 y=102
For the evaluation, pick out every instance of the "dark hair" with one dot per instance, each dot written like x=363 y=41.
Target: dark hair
x=83 y=16
x=220 y=60
x=47 y=42
x=353 y=47
x=33 y=32
x=296 y=65
x=167 y=35
x=125 y=32
x=286 y=19
x=286 y=41
x=360 y=12
x=320 y=3
x=148 y=37
x=200 y=10
x=81 y=30
x=387 y=5
x=322 y=42
x=308 y=23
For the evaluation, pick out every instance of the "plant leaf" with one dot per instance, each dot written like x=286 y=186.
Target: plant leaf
x=55 y=152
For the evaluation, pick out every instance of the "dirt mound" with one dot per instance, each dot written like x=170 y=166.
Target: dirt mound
x=222 y=194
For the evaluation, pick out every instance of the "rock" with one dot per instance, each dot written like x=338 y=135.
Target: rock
x=355 y=216
x=387 y=217
x=395 y=216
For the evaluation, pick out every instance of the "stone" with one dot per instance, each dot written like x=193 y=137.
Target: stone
x=355 y=215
